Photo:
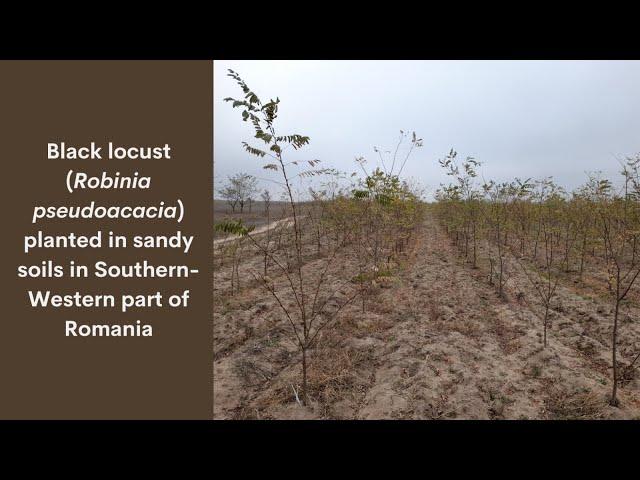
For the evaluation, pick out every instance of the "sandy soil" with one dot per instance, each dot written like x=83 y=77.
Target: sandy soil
x=435 y=342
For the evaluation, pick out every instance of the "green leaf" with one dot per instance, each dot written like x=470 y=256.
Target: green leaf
x=253 y=151
x=233 y=227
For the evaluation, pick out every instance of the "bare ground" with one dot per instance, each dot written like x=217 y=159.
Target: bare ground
x=435 y=342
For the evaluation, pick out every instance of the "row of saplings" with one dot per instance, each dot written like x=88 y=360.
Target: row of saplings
x=371 y=221
x=367 y=227
x=550 y=234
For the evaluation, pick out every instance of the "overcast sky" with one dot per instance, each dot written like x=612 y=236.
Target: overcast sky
x=520 y=118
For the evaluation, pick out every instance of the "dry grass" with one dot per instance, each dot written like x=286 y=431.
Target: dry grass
x=573 y=405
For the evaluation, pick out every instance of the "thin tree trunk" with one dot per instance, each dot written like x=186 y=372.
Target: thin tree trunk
x=546 y=317
x=584 y=248
x=614 y=347
x=304 y=376
x=475 y=255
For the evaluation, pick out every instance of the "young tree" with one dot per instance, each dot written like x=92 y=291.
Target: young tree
x=311 y=312
x=546 y=274
x=497 y=216
x=584 y=205
x=523 y=211
x=233 y=248
x=247 y=187
x=469 y=195
x=618 y=220
x=384 y=193
x=265 y=196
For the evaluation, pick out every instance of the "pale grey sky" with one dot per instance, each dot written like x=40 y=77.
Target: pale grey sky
x=520 y=118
